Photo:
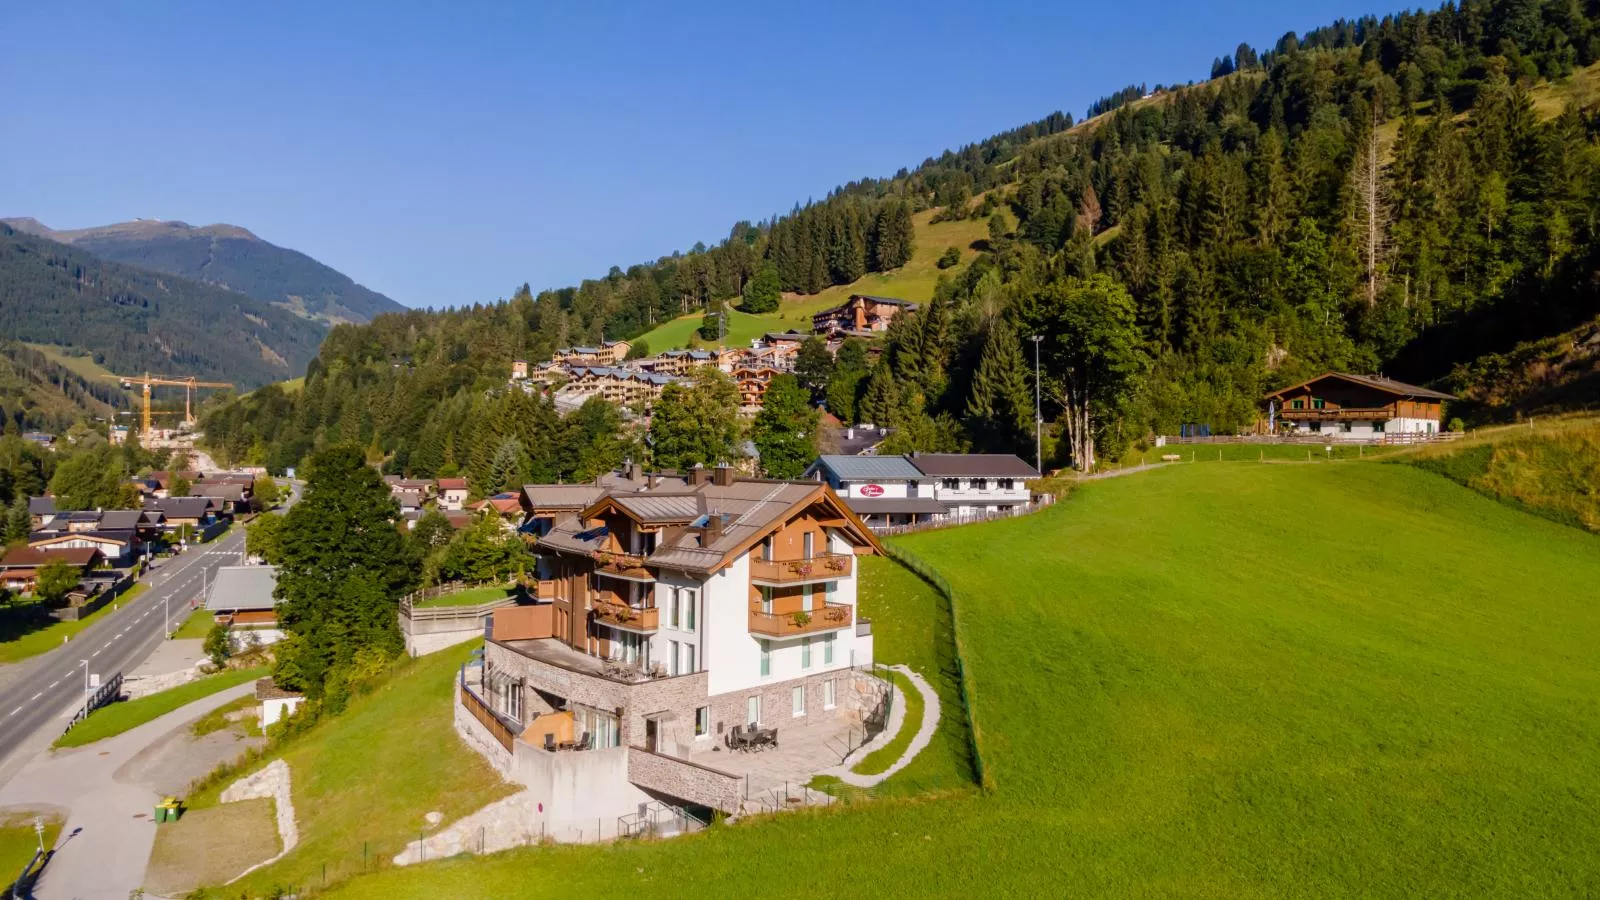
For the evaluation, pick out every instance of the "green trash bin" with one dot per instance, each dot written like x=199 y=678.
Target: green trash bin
x=160 y=815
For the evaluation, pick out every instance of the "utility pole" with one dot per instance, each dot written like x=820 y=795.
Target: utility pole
x=1038 y=415
x=85 y=664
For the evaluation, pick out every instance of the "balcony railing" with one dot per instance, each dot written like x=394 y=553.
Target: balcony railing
x=827 y=567
x=828 y=617
x=618 y=615
x=1383 y=413
x=623 y=565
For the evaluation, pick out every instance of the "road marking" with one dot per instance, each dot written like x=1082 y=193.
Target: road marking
x=94 y=654
x=37 y=696
x=14 y=711
x=56 y=682
x=106 y=644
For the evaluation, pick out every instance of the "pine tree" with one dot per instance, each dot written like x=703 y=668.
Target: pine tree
x=813 y=365
x=508 y=468
x=343 y=568
x=696 y=423
x=998 y=407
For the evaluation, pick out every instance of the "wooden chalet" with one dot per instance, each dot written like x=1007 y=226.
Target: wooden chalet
x=1357 y=407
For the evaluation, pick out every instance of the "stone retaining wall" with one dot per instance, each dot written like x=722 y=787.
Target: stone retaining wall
x=685 y=780
x=271 y=783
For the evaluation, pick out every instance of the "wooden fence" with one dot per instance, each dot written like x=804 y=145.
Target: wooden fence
x=951 y=521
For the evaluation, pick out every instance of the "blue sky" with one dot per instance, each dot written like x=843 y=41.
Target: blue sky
x=446 y=153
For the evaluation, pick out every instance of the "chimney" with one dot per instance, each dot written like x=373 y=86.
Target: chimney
x=698 y=475
x=722 y=476
x=635 y=470
x=713 y=528
x=850 y=432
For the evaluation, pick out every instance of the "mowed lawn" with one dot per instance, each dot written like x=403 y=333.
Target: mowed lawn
x=1236 y=680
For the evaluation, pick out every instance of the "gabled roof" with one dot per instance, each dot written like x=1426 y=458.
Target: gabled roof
x=243 y=587
x=893 y=301
x=1376 y=382
x=560 y=496
x=452 y=484
x=102 y=535
x=180 y=507
x=968 y=465
x=33 y=557
x=41 y=506
x=866 y=468
x=746 y=510
x=119 y=519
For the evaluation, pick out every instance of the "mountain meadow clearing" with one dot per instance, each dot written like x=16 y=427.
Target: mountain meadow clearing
x=1231 y=680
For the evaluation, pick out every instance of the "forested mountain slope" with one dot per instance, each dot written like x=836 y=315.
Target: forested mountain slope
x=230 y=257
x=1404 y=194
x=39 y=393
x=135 y=320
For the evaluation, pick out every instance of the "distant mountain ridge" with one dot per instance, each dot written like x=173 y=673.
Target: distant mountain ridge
x=133 y=319
x=228 y=256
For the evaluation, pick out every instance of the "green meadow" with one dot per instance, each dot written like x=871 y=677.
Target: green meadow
x=1235 y=680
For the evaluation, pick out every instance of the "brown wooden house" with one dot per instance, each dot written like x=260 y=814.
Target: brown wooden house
x=1357 y=407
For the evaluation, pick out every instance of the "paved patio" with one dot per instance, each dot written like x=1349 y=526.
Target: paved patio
x=801 y=753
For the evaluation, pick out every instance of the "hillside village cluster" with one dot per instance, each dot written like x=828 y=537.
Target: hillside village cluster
x=576 y=374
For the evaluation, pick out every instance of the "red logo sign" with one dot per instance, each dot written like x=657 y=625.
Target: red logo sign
x=871 y=490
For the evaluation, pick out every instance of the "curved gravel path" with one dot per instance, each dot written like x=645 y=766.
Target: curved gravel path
x=924 y=735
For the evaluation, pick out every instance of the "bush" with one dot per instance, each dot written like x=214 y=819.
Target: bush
x=218 y=646
x=950 y=257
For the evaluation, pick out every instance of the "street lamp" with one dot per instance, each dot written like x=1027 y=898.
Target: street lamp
x=1038 y=416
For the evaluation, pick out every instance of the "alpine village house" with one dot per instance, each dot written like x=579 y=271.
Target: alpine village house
x=1340 y=406
x=670 y=611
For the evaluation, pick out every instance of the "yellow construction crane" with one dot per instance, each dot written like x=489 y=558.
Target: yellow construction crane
x=189 y=384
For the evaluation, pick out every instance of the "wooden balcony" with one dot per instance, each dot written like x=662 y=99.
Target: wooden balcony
x=644 y=620
x=1380 y=414
x=828 y=617
x=784 y=572
x=623 y=565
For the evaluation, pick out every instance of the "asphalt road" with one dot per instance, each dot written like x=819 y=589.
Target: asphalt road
x=35 y=697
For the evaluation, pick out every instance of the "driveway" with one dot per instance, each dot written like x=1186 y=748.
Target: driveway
x=108 y=789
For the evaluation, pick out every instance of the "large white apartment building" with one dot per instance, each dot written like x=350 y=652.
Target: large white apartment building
x=922 y=487
x=673 y=609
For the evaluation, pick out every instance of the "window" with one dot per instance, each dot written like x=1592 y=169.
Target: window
x=829 y=698
x=1316 y=426
x=766 y=659
x=690 y=600
x=1297 y=404
x=1006 y=484
x=672 y=657
x=797 y=701
x=752 y=710
x=702 y=722
x=689 y=660
x=1344 y=426
x=766 y=599
x=827 y=648
x=805 y=653
x=1378 y=427
x=1317 y=403
x=766 y=548
x=603 y=726
x=672 y=608
x=980 y=484
x=806 y=542
x=950 y=484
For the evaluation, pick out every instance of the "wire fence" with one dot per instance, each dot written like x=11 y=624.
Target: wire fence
x=919 y=567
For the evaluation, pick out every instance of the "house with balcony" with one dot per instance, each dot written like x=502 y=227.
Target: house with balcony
x=1340 y=406
x=452 y=494
x=673 y=610
x=862 y=314
x=882 y=490
x=976 y=484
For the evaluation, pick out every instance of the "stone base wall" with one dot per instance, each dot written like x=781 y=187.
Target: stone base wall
x=271 y=783
x=856 y=694
x=684 y=780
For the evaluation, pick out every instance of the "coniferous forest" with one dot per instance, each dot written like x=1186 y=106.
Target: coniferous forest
x=1409 y=195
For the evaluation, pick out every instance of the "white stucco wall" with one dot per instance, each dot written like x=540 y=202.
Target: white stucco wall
x=661 y=641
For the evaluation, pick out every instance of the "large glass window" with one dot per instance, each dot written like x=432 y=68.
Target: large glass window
x=805 y=653
x=689 y=660
x=766 y=659
x=752 y=710
x=690 y=600
x=672 y=608
x=827 y=648
x=672 y=661
x=807 y=541
x=702 y=721
x=829 y=698
x=797 y=700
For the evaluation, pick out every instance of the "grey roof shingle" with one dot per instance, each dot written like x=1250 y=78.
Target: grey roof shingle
x=560 y=496
x=868 y=468
x=968 y=465
x=41 y=506
x=243 y=587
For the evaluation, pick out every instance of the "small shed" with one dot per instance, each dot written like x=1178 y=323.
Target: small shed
x=277 y=704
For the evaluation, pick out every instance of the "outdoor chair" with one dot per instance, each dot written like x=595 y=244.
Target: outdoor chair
x=587 y=743
x=550 y=742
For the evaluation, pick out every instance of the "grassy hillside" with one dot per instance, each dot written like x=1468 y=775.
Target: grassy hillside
x=913 y=281
x=366 y=779
x=1213 y=681
x=1552 y=471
